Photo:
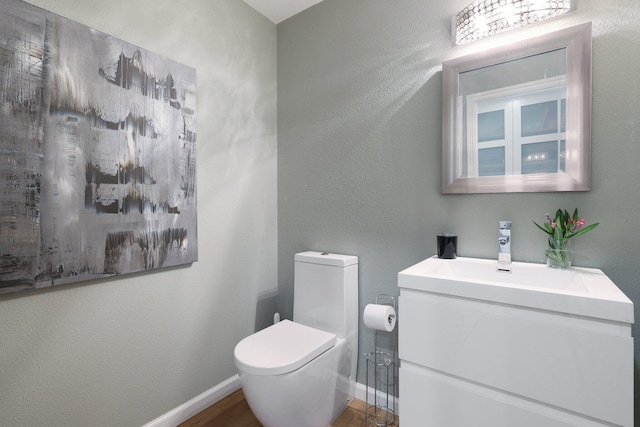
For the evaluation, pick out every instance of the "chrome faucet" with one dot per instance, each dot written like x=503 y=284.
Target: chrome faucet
x=504 y=242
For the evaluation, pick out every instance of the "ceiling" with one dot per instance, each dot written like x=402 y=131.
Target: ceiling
x=279 y=10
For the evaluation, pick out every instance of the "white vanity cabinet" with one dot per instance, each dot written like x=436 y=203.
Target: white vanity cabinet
x=481 y=347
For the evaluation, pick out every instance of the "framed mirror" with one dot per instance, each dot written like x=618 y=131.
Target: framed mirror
x=517 y=118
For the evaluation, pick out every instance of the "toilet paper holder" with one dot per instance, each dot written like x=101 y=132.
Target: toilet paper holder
x=382 y=371
x=391 y=317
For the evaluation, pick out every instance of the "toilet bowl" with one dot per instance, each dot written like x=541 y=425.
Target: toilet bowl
x=301 y=373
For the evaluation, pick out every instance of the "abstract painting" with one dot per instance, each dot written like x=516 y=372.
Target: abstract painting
x=97 y=154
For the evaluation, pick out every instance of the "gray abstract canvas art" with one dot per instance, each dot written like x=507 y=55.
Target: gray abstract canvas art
x=97 y=154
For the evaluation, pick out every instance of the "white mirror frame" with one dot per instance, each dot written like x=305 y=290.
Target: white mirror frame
x=577 y=41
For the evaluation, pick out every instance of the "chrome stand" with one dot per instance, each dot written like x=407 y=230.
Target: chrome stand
x=382 y=375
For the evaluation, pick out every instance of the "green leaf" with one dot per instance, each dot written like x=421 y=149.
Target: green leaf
x=584 y=229
x=547 y=228
x=558 y=214
x=559 y=220
x=558 y=232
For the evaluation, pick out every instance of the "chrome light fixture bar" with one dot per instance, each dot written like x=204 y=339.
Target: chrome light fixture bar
x=484 y=18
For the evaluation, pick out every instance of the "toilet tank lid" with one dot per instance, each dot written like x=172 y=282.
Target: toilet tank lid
x=281 y=348
x=325 y=258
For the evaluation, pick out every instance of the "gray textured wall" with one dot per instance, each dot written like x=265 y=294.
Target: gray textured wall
x=359 y=146
x=124 y=351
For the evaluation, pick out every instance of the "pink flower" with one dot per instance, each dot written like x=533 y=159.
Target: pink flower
x=564 y=225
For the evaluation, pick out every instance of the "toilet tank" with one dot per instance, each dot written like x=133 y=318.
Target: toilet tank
x=326 y=292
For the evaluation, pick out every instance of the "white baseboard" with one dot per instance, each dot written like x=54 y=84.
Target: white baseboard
x=361 y=394
x=201 y=402
x=196 y=405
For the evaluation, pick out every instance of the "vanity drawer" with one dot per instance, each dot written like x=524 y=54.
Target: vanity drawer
x=580 y=364
x=430 y=398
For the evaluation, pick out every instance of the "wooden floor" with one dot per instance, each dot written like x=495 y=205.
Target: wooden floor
x=233 y=411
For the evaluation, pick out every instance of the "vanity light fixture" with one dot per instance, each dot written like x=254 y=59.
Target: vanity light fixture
x=484 y=18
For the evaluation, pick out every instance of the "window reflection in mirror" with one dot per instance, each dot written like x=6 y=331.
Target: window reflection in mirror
x=517 y=118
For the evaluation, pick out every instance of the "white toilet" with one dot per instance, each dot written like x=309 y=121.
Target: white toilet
x=302 y=373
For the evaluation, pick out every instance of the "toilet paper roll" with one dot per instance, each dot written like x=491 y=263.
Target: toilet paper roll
x=379 y=317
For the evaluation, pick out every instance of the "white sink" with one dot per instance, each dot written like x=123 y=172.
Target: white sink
x=579 y=291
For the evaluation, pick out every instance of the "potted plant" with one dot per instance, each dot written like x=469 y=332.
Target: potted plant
x=560 y=229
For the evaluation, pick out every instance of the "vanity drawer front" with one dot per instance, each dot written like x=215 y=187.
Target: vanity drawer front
x=568 y=362
x=430 y=398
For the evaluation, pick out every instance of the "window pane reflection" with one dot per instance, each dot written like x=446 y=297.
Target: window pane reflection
x=491 y=126
x=541 y=157
x=491 y=161
x=539 y=119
